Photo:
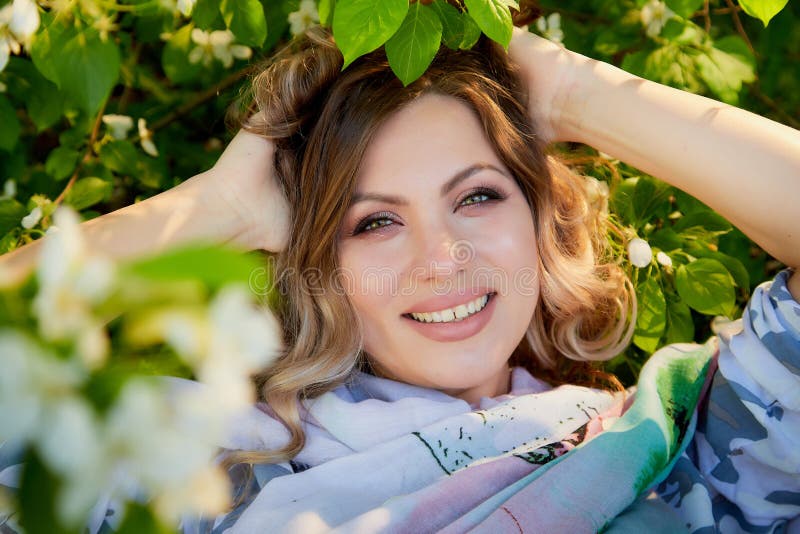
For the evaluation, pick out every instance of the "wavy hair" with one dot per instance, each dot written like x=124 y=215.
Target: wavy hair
x=321 y=120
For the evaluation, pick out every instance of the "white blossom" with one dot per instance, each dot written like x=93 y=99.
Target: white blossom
x=9 y=189
x=639 y=252
x=118 y=125
x=217 y=44
x=305 y=17
x=146 y=138
x=663 y=259
x=550 y=27
x=597 y=193
x=19 y=20
x=33 y=218
x=654 y=16
x=70 y=282
x=32 y=382
x=186 y=6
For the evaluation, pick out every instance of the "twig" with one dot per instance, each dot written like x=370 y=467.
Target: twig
x=707 y=15
x=771 y=104
x=200 y=99
x=739 y=28
x=86 y=155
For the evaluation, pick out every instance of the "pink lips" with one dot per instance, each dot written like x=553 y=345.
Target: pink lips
x=452 y=300
x=456 y=330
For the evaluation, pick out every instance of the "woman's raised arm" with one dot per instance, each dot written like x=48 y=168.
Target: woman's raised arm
x=236 y=201
x=744 y=166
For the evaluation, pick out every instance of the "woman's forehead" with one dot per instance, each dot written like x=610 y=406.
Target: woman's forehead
x=427 y=141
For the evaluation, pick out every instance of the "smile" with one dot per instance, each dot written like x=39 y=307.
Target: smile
x=452 y=315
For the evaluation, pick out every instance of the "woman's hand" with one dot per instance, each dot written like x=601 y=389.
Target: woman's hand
x=550 y=73
x=244 y=179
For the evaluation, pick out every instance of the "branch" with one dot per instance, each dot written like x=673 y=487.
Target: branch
x=201 y=99
x=739 y=28
x=86 y=156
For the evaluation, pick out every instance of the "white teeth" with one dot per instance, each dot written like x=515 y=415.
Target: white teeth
x=453 y=314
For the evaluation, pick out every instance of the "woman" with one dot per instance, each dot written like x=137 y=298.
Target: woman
x=429 y=187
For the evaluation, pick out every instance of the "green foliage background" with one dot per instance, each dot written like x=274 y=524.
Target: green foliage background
x=138 y=58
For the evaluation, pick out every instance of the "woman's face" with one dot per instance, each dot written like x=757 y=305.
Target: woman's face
x=439 y=229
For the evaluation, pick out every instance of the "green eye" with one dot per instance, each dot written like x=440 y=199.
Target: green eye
x=477 y=198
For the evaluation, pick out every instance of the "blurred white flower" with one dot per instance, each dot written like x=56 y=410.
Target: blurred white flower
x=9 y=189
x=217 y=44
x=70 y=282
x=550 y=27
x=146 y=138
x=597 y=193
x=118 y=125
x=305 y=17
x=166 y=452
x=33 y=218
x=105 y=24
x=31 y=383
x=19 y=20
x=186 y=7
x=663 y=259
x=654 y=16
x=639 y=252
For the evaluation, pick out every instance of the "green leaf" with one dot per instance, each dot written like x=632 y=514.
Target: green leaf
x=666 y=239
x=9 y=132
x=175 y=58
x=88 y=192
x=452 y=23
x=707 y=220
x=245 y=18
x=411 y=50
x=726 y=66
x=493 y=18
x=650 y=198
x=78 y=61
x=651 y=319
x=61 y=162
x=684 y=8
x=37 y=497
x=120 y=156
x=361 y=26
x=11 y=214
x=471 y=32
x=212 y=265
x=325 y=10
x=763 y=10
x=680 y=326
x=140 y=518
x=206 y=14
x=42 y=100
x=706 y=286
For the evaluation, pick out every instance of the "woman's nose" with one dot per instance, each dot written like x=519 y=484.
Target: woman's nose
x=441 y=252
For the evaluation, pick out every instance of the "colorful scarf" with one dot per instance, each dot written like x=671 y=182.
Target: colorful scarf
x=568 y=459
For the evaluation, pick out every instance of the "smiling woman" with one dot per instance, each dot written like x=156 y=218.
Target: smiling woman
x=445 y=290
x=394 y=180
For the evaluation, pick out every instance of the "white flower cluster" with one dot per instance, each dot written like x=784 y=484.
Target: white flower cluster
x=118 y=127
x=654 y=17
x=19 y=20
x=217 y=44
x=550 y=27
x=159 y=437
x=640 y=254
x=305 y=17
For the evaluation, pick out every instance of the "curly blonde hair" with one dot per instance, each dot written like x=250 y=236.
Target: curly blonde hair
x=321 y=120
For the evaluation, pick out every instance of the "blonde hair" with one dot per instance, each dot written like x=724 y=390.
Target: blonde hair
x=321 y=120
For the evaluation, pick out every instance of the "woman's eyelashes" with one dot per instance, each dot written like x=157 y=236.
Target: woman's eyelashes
x=476 y=197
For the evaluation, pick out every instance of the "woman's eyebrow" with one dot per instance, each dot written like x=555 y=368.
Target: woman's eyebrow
x=448 y=186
